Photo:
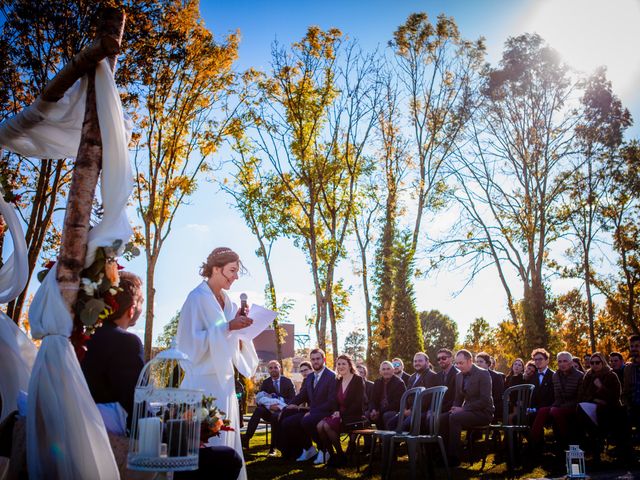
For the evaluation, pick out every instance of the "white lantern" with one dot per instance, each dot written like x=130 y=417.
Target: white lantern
x=575 y=462
x=165 y=429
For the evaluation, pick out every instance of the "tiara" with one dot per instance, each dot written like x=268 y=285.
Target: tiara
x=222 y=252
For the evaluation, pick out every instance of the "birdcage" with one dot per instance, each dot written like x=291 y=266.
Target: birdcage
x=575 y=462
x=165 y=430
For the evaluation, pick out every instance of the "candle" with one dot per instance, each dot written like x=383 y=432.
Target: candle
x=149 y=436
x=575 y=469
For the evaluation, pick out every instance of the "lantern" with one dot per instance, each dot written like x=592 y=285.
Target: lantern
x=165 y=429
x=575 y=462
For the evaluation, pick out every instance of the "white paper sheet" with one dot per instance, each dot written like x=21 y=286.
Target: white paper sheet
x=262 y=319
x=590 y=409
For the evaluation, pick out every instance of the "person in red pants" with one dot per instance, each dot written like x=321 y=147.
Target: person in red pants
x=566 y=387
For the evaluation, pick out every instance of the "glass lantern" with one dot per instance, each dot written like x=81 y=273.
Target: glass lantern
x=165 y=429
x=575 y=462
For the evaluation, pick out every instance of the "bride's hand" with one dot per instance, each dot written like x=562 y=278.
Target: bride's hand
x=239 y=322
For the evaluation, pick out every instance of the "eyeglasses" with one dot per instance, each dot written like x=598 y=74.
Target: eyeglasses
x=595 y=362
x=442 y=359
x=538 y=359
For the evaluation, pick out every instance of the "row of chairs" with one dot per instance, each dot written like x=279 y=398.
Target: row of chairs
x=516 y=401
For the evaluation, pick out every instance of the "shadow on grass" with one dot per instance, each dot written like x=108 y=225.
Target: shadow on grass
x=262 y=467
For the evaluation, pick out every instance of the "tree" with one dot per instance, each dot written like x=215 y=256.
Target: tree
x=394 y=162
x=479 y=336
x=312 y=126
x=439 y=331
x=621 y=212
x=512 y=174
x=437 y=68
x=406 y=331
x=185 y=76
x=169 y=331
x=599 y=135
x=258 y=197
x=355 y=345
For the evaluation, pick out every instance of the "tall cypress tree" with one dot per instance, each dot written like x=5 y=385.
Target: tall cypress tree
x=406 y=331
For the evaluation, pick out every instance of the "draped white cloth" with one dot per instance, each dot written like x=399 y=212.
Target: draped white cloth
x=66 y=436
x=203 y=334
x=17 y=351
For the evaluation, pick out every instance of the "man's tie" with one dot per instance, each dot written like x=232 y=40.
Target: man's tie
x=540 y=378
x=415 y=380
x=276 y=384
x=315 y=380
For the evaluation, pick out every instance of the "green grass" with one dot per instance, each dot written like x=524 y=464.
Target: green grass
x=262 y=467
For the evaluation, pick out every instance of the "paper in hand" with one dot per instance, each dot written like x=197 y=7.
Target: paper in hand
x=262 y=319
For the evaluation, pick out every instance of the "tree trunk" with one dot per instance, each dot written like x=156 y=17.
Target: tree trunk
x=149 y=315
x=365 y=286
x=279 y=334
x=590 y=309
x=83 y=183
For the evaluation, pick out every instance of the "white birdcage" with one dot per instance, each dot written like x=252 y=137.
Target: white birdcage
x=165 y=430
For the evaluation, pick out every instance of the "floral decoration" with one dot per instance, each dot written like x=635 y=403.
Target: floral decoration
x=213 y=420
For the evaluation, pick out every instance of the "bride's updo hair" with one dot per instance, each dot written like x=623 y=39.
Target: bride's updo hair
x=220 y=257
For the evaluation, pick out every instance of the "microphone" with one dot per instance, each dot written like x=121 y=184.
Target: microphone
x=243 y=304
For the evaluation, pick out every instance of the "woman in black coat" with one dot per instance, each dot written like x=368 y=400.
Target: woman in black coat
x=350 y=391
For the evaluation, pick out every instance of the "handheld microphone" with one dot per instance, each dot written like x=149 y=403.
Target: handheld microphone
x=243 y=304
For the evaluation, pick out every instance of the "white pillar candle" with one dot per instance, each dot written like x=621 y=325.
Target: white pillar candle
x=149 y=436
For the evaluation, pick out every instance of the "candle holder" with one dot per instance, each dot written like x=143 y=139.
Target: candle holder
x=575 y=462
x=165 y=429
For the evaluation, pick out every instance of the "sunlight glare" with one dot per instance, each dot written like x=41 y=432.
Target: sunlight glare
x=590 y=33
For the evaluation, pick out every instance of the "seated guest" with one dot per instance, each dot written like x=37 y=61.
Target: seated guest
x=447 y=377
x=275 y=393
x=349 y=400
x=529 y=371
x=398 y=369
x=600 y=409
x=566 y=386
x=631 y=385
x=113 y=362
x=515 y=375
x=114 y=357
x=472 y=406
x=542 y=397
x=318 y=391
x=578 y=364
x=423 y=377
x=616 y=362
x=483 y=360
x=368 y=385
x=386 y=395
x=305 y=369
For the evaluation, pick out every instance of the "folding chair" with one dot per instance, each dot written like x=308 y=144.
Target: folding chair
x=414 y=439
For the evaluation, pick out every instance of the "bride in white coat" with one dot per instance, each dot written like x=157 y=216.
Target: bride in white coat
x=207 y=333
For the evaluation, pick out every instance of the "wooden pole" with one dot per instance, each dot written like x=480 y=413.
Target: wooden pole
x=86 y=170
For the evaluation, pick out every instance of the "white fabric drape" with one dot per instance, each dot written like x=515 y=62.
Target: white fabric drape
x=66 y=436
x=17 y=352
x=203 y=334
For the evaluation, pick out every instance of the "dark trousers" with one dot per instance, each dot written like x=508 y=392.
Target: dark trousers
x=292 y=438
x=454 y=423
x=263 y=413
x=221 y=463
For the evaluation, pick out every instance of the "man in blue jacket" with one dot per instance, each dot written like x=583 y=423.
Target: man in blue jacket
x=319 y=391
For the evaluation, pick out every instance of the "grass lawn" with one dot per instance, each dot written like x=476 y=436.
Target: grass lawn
x=262 y=467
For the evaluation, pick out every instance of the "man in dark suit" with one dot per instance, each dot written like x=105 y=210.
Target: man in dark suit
x=483 y=360
x=423 y=377
x=114 y=357
x=543 y=396
x=114 y=360
x=278 y=390
x=398 y=369
x=385 y=397
x=447 y=377
x=363 y=371
x=473 y=404
x=319 y=391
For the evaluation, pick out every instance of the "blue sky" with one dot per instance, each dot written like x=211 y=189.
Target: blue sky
x=587 y=32
x=209 y=221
